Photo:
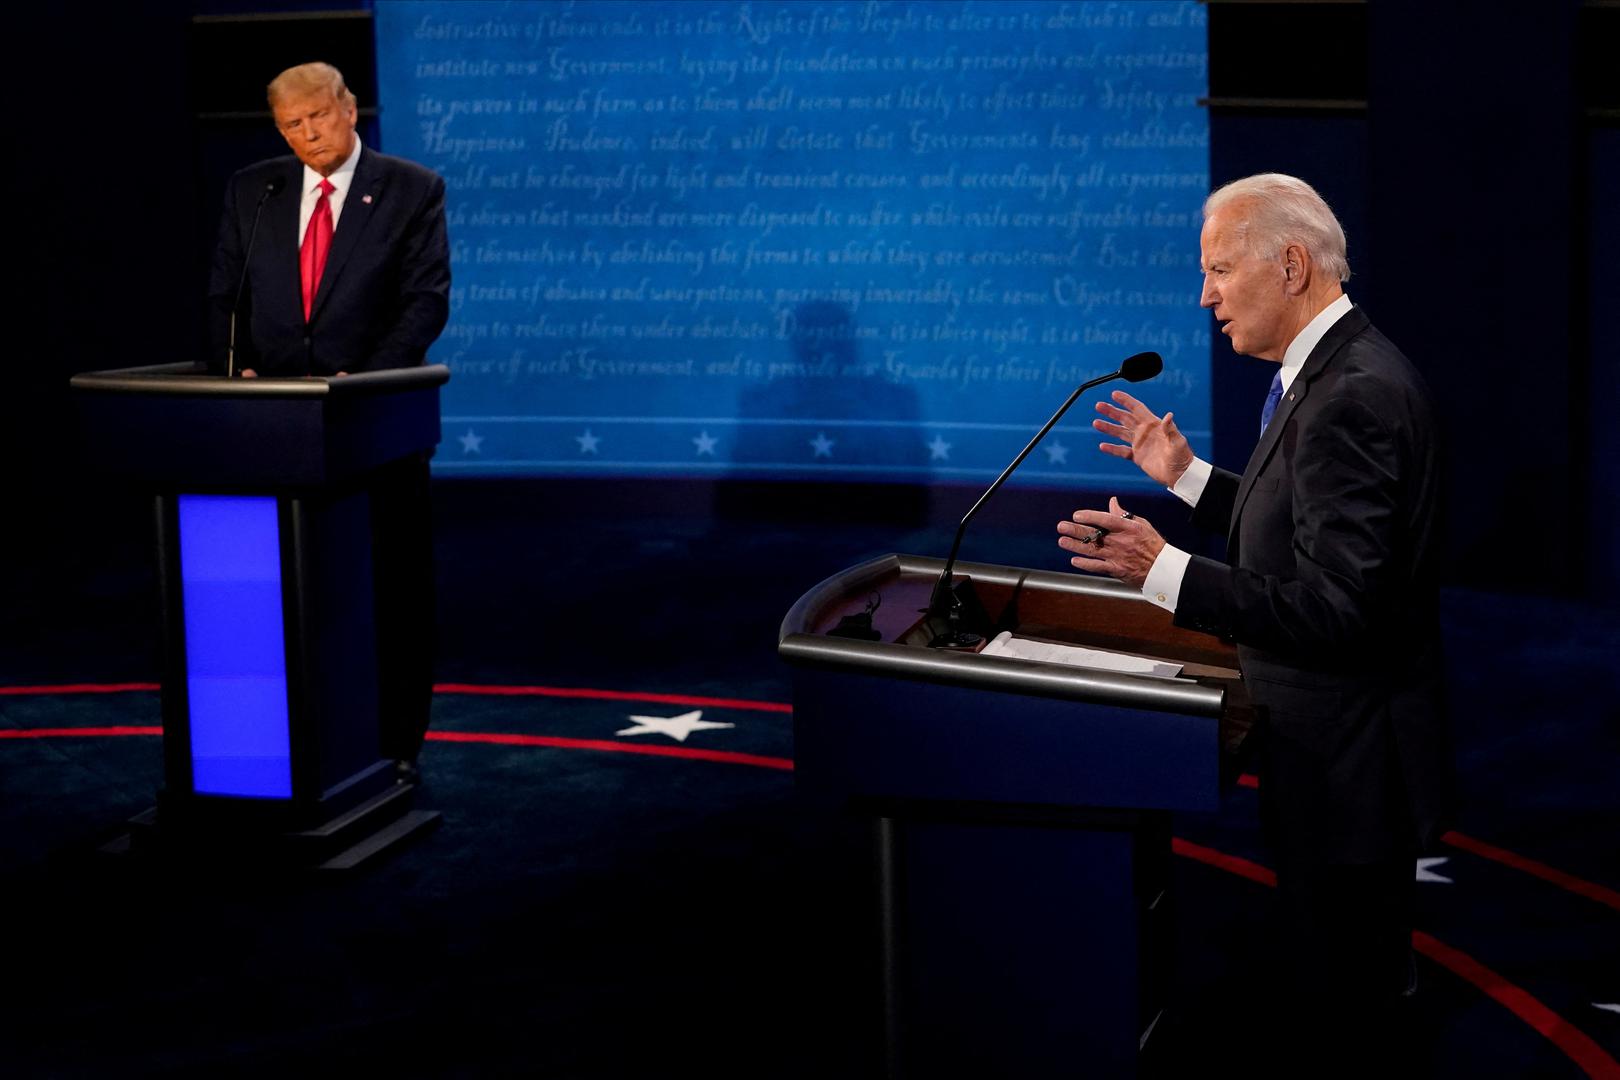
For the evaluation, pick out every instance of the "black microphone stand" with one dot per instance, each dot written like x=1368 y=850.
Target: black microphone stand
x=270 y=188
x=945 y=604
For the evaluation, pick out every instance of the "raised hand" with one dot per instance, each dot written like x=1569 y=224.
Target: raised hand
x=1154 y=443
x=1115 y=543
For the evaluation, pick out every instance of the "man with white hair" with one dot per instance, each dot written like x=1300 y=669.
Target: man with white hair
x=1329 y=587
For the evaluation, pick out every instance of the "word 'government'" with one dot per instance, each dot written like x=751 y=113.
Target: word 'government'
x=699 y=198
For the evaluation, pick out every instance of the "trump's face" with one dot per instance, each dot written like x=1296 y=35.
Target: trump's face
x=318 y=127
x=1247 y=292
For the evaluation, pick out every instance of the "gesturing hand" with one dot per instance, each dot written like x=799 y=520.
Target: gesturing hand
x=1118 y=544
x=1156 y=445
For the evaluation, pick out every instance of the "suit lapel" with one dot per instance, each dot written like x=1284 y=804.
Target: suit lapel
x=1353 y=323
x=280 y=240
x=358 y=205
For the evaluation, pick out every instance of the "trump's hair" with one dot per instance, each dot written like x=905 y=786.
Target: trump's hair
x=307 y=79
x=1285 y=210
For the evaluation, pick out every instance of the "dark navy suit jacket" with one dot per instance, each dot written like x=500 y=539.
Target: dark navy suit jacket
x=1330 y=589
x=384 y=295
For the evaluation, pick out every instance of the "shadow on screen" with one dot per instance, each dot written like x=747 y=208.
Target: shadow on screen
x=826 y=414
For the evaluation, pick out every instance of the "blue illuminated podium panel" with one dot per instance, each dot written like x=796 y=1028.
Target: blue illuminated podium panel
x=235 y=659
x=264 y=494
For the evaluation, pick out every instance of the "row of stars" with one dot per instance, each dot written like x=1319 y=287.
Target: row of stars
x=821 y=446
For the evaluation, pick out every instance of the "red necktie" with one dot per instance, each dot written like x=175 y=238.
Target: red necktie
x=317 y=242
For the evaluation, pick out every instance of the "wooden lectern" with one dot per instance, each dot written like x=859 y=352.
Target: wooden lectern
x=1021 y=807
x=265 y=540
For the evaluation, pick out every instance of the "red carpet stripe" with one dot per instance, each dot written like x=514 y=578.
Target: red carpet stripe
x=691 y=752
x=1530 y=866
x=1576 y=1044
x=1569 y=882
x=612 y=695
x=1232 y=864
x=71 y=732
x=79 y=688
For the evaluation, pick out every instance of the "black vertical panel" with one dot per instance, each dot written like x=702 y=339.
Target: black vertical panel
x=1472 y=155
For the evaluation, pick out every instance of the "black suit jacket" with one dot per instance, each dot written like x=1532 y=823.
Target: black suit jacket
x=1330 y=590
x=384 y=294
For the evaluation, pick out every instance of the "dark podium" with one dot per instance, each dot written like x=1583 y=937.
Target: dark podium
x=1021 y=808
x=265 y=543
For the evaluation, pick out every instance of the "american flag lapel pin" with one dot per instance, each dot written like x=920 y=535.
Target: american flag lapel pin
x=366 y=199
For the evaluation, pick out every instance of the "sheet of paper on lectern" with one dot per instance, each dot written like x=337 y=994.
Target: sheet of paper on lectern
x=1051 y=652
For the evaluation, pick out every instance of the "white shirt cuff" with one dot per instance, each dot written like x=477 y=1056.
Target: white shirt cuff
x=1190 y=488
x=1162 y=587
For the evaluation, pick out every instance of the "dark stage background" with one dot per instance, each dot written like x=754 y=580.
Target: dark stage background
x=620 y=915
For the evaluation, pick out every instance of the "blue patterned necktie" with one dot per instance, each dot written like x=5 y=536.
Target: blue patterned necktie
x=1271 y=401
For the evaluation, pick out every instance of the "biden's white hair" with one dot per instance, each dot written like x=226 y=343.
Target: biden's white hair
x=1283 y=210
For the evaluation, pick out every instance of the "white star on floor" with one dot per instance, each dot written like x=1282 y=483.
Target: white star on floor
x=705 y=444
x=823 y=445
x=676 y=727
x=1057 y=454
x=587 y=442
x=471 y=443
x=1425 y=873
x=939 y=449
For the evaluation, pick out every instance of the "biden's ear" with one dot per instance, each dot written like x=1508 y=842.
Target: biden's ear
x=1296 y=263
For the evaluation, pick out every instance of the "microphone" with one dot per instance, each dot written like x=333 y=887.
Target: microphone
x=272 y=186
x=945 y=603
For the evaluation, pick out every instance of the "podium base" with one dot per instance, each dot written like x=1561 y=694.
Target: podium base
x=348 y=841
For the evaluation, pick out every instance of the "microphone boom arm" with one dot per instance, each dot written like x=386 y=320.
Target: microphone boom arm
x=944 y=603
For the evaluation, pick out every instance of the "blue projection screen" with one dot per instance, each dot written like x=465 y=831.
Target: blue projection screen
x=851 y=240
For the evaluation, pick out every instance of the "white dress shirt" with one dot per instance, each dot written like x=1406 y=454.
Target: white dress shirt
x=1163 y=583
x=341 y=180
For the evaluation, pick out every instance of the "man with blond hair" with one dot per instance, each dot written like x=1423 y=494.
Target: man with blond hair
x=1329 y=586
x=350 y=267
x=334 y=260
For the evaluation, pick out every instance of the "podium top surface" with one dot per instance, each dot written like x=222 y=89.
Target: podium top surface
x=1070 y=608
x=174 y=427
x=194 y=380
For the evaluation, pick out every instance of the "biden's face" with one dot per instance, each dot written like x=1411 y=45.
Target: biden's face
x=319 y=128
x=1247 y=292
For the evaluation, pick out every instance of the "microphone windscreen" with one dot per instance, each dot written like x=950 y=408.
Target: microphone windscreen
x=1142 y=366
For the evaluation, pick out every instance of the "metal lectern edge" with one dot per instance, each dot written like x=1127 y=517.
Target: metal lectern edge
x=797 y=645
x=193 y=379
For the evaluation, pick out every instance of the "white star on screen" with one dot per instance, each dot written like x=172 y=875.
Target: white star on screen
x=939 y=449
x=705 y=444
x=822 y=445
x=1425 y=871
x=1606 y=1007
x=676 y=727
x=472 y=443
x=1056 y=454
x=587 y=442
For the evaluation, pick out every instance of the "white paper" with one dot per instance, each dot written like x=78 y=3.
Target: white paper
x=1075 y=656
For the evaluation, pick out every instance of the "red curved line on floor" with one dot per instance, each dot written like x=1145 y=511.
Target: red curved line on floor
x=691 y=752
x=1232 y=864
x=79 y=688
x=611 y=695
x=1576 y=1044
x=585 y=692
x=1530 y=866
x=1569 y=882
x=70 y=732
